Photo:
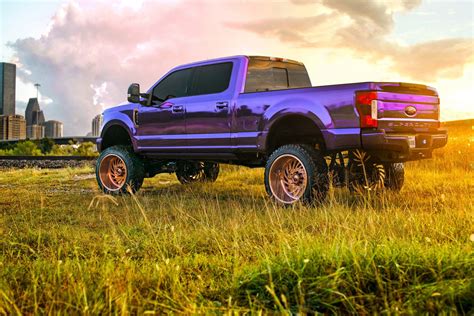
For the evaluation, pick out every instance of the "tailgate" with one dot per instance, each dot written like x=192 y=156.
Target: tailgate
x=407 y=108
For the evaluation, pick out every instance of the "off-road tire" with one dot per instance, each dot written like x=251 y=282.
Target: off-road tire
x=314 y=164
x=374 y=171
x=135 y=170
x=394 y=176
x=192 y=172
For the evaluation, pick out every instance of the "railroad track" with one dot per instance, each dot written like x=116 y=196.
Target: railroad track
x=51 y=158
x=47 y=162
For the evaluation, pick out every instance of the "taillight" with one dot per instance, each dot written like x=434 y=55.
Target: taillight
x=366 y=104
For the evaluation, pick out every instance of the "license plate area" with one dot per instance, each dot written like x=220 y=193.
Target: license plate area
x=422 y=141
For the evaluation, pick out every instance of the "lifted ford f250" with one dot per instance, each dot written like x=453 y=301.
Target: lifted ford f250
x=263 y=112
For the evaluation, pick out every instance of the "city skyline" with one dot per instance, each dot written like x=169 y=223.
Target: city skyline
x=33 y=124
x=85 y=59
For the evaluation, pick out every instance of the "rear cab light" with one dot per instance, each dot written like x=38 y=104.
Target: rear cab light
x=367 y=107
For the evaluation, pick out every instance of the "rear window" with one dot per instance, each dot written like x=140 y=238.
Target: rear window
x=211 y=79
x=267 y=75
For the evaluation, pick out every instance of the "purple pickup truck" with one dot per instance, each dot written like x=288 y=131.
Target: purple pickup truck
x=263 y=112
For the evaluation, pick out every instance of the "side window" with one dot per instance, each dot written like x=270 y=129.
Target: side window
x=259 y=76
x=210 y=79
x=175 y=85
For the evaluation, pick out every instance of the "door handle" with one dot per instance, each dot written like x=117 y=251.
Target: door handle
x=178 y=108
x=222 y=105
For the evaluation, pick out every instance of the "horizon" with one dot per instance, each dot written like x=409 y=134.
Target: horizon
x=81 y=56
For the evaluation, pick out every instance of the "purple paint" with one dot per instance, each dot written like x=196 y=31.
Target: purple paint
x=231 y=124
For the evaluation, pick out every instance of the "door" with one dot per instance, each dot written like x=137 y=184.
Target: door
x=208 y=110
x=161 y=126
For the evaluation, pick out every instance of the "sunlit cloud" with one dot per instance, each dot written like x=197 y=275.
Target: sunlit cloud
x=91 y=51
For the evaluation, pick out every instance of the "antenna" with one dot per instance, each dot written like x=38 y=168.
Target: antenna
x=37 y=85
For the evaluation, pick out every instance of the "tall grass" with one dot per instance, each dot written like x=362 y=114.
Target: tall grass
x=224 y=247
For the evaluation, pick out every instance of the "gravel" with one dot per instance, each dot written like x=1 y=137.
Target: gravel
x=44 y=164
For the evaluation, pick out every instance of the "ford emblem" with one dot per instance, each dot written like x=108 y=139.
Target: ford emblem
x=410 y=110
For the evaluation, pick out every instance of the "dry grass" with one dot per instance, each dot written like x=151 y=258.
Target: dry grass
x=223 y=247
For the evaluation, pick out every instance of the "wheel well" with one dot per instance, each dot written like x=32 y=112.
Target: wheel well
x=294 y=129
x=115 y=135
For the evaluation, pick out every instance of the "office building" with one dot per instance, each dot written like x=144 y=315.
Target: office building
x=33 y=113
x=7 y=88
x=35 y=131
x=53 y=129
x=12 y=127
x=96 y=123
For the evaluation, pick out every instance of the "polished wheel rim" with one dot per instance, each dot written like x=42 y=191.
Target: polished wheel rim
x=288 y=179
x=112 y=172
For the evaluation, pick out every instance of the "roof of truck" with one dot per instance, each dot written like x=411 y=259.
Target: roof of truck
x=213 y=60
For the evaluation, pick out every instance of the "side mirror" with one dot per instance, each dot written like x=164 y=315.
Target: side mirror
x=133 y=94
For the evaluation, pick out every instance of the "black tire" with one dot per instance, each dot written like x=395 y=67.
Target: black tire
x=391 y=175
x=394 y=176
x=197 y=171
x=365 y=174
x=337 y=170
x=134 y=170
x=311 y=178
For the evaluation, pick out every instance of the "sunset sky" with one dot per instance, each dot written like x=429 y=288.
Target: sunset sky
x=85 y=53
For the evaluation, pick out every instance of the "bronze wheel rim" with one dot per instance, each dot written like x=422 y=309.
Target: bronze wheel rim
x=288 y=179
x=112 y=172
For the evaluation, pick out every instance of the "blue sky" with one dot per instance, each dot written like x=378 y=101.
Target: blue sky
x=436 y=19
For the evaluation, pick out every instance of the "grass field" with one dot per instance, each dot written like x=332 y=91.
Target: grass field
x=224 y=248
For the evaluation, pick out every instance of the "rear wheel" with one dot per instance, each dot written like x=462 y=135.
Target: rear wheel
x=296 y=173
x=117 y=169
x=394 y=176
x=197 y=171
x=367 y=174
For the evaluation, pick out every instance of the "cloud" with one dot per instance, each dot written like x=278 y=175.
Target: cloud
x=20 y=107
x=365 y=28
x=444 y=58
x=93 y=51
x=288 y=29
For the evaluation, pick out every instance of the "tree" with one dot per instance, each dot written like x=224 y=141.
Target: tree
x=46 y=145
x=26 y=148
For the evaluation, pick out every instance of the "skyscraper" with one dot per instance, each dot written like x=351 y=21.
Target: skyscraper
x=35 y=131
x=12 y=127
x=7 y=88
x=53 y=129
x=33 y=113
x=96 y=123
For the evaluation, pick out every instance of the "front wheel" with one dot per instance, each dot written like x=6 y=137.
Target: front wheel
x=119 y=168
x=295 y=173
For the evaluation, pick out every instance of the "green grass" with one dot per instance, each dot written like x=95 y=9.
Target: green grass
x=224 y=247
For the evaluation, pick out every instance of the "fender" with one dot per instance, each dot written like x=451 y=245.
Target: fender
x=123 y=121
x=301 y=107
x=297 y=106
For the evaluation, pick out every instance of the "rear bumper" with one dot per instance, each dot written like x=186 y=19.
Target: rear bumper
x=396 y=147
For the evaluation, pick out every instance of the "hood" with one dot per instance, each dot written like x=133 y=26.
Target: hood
x=122 y=107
